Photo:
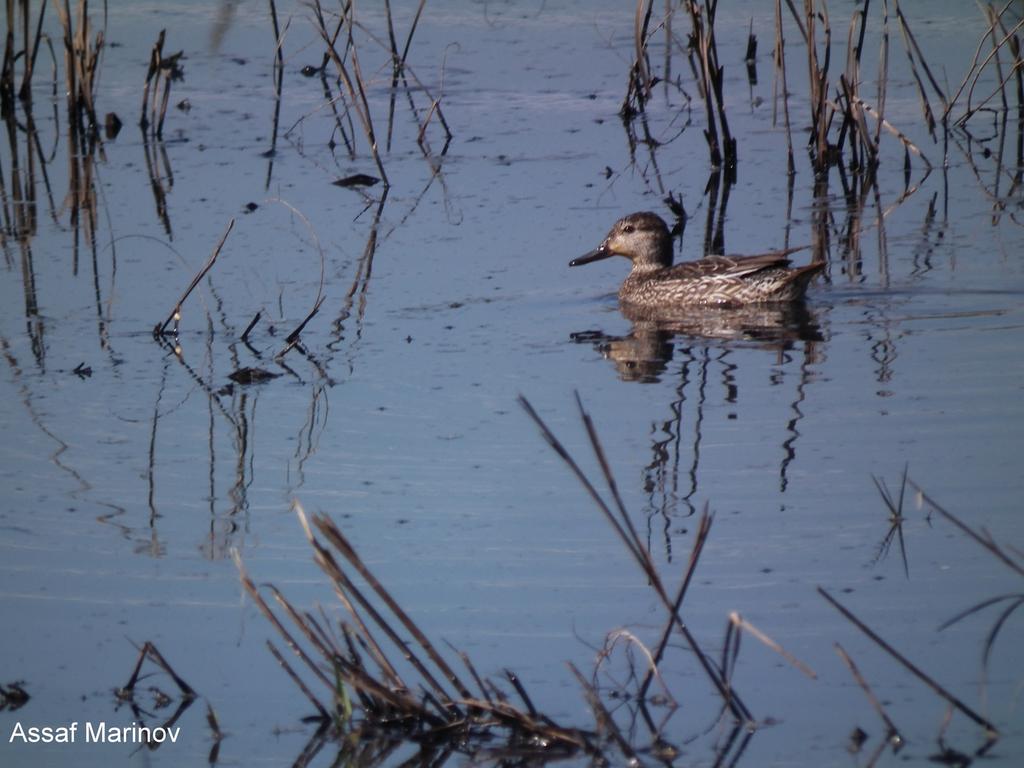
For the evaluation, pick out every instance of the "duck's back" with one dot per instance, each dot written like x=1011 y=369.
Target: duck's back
x=712 y=267
x=721 y=280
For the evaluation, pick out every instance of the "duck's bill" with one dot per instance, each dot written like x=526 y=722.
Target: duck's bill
x=595 y=255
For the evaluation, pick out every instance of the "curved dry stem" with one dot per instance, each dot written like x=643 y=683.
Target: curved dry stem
x=740 y=623
x=613 y=638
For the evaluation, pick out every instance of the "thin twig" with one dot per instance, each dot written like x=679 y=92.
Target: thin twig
x=175 y=314
x=894 y=736
x=991 y=730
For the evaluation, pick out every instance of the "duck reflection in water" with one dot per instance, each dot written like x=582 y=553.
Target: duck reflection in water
x=645 y=352
x=740 y=299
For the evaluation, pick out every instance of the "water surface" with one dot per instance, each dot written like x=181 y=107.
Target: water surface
x=126 y=489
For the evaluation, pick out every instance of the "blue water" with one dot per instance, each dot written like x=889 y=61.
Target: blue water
x=125 y=491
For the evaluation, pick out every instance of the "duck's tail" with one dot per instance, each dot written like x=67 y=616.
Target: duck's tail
x=800 y=277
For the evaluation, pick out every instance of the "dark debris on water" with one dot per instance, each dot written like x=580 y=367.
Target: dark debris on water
x=13 y=696
x=356 y=180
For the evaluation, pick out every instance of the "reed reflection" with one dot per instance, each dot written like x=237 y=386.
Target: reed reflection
x=703 y=342
x=697 y=345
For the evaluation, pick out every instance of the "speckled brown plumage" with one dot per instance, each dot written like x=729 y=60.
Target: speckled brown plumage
x=726 y=281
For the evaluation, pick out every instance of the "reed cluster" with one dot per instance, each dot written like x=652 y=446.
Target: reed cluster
x=342 y=54
x=82 y=51
x=368 y=678
x=847 y=124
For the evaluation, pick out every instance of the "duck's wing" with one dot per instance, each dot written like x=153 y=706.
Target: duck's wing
x=729 y=266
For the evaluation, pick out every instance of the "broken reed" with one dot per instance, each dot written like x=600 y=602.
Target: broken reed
x=160 y=329
x=156 y=94
x=81 y=61
x=638 y=89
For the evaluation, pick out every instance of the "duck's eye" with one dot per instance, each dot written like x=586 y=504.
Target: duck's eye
x=628 y=229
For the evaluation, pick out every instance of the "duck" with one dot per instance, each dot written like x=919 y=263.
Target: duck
x=655 y=282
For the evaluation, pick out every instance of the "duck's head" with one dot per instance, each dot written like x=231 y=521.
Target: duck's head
x=643 y=238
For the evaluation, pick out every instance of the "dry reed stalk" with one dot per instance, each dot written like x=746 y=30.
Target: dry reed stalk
x=914 y=56
x=893 y=733
x=991 y=731
x=863 y=147
x=818 y=79
x=908 y=145
x=628 y=536
x=298 y=681
x=348 y=596
x=849 y=86
x=396 y=70
x=278 y=49
x=993 y=22
x=175 y=315
x=355 y=87
x=1013 y=41
x=162 y=71
x=387 y=698
x=151 y=74
x=426 y=713
x=334 y=536
x=854 y=135
x=699 y=540
x=7 y=69
x=1008 y=555
x=977 y=54
x=742 y=624
x=81 y=60
x=639 y=79
x=252 y=324
x=150 y=651
x=722 y=150
x=641 y=22
x=1000 y=88
x=780 y=73
x=278 y=85
x=435 y=106
x=982 y=537
x=265 y=609
x=883 y=79
x=401 y=69
x=20 y=212
x=15 y=10
x=357 y=93
x=412 y=31
x=632 y=641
